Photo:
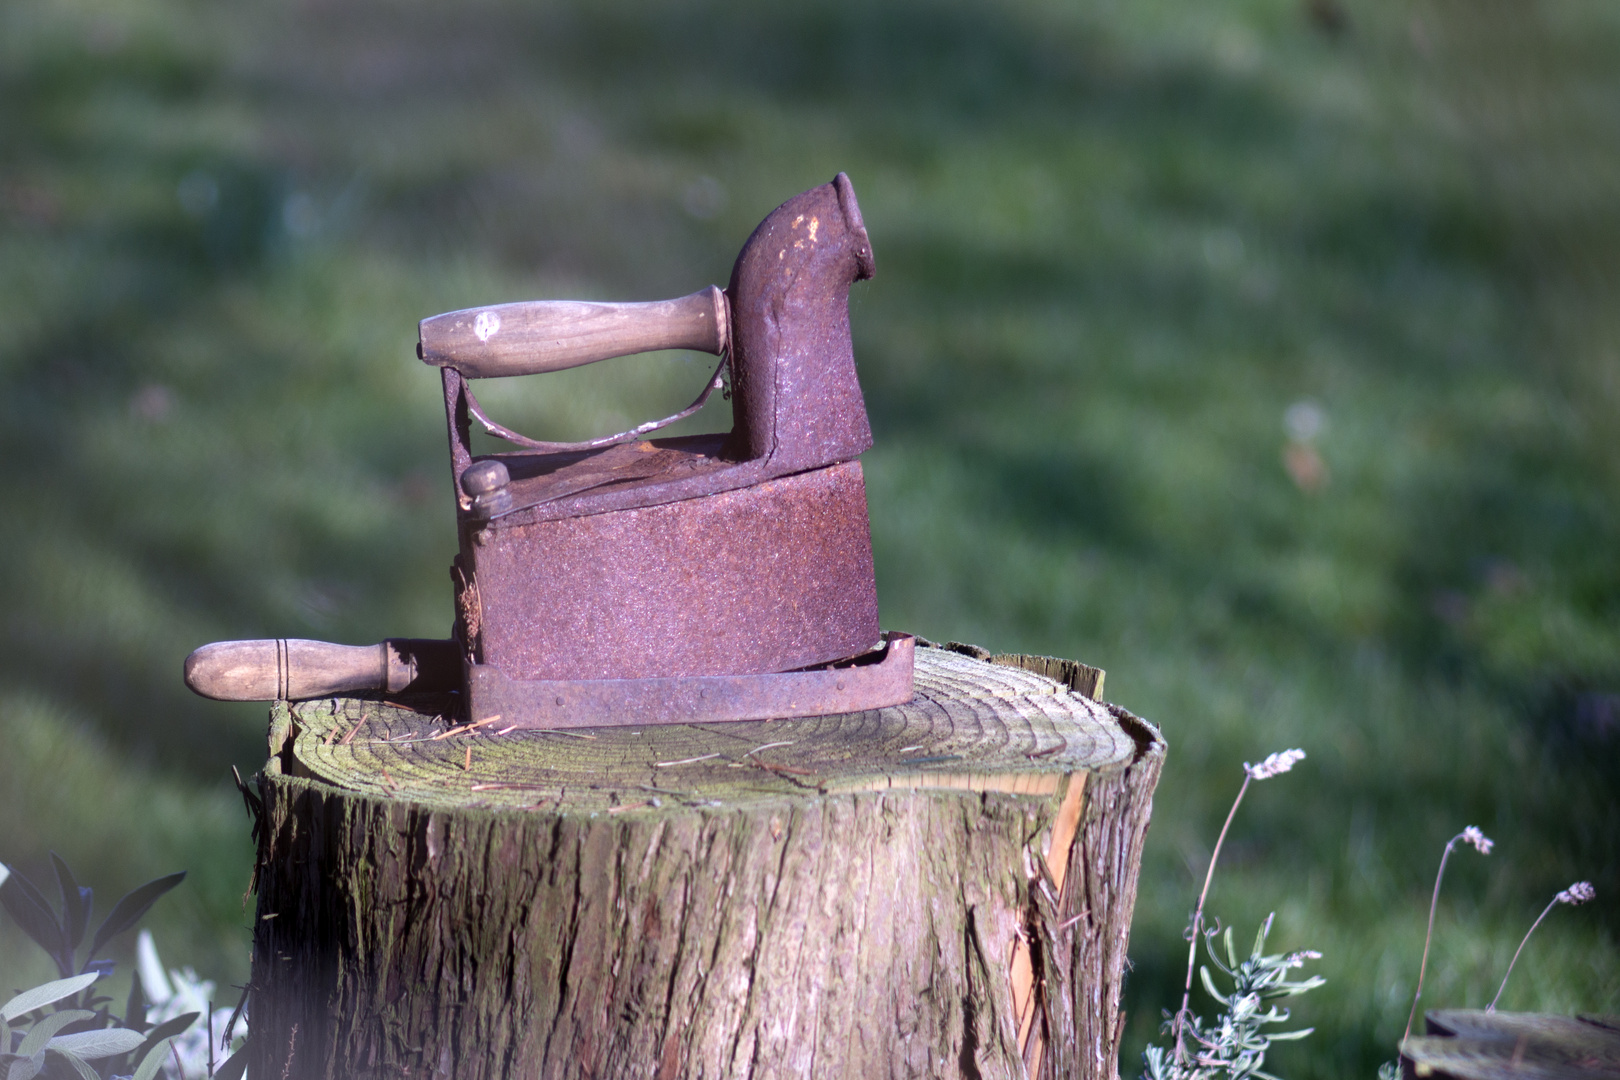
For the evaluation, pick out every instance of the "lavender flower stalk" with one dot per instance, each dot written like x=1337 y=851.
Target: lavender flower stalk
x=1273 y=765
x=1578 y=893
x=1483 y=844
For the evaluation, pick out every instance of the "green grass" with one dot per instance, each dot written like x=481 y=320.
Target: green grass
x=1114 y=242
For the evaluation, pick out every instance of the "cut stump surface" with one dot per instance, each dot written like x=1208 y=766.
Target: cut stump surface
x=942 y=888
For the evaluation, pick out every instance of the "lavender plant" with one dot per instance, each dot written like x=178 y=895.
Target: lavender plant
x=1481 y=843
x=1578 y=893
x=1234 y=1045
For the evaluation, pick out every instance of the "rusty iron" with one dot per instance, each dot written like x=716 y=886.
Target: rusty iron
x=711 y=556
x=882 y=677
x=764 y=578
x=642 y=581
x=797 y=403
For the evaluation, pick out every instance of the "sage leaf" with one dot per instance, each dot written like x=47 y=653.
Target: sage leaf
x=97 y=1044
x=41 y=996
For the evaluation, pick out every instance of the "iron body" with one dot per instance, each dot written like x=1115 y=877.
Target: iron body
x=636 y=581
x=723 y=557
x=770 y=577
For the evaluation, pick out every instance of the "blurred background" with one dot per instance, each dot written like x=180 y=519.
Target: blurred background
x=1262 y=353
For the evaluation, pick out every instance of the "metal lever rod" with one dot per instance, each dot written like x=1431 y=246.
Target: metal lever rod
x=550 y=335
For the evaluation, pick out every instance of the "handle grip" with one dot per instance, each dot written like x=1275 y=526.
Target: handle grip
x=550 y=335
x=290 y=669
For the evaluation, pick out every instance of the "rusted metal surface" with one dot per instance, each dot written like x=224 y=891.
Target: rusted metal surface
x=636 y=581
x=797 y=402
x=602 y=476
x=873 y=682
x=706 y=556
x=765 y=578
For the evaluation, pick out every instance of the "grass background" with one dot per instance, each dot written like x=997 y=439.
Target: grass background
x=1115 y=243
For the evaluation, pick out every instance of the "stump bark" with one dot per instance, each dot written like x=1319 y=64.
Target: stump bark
x=939 y=889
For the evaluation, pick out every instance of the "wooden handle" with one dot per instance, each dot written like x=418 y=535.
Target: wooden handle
x=290 y=669
x=549 y=335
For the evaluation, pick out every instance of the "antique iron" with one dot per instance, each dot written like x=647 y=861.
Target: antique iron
x=628 y=580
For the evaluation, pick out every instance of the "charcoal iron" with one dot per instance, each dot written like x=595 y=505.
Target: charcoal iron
x=636 y=580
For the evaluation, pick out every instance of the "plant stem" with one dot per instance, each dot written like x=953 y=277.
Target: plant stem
x=1492 y=1006
x=1434 y=902
x=1198 y=921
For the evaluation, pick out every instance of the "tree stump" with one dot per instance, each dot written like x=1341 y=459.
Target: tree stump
x=939 y=889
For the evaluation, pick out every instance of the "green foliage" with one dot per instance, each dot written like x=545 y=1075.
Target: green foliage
x=80 y=1033
x=61 y=932
x=76 y=1036
x=1233 y=1046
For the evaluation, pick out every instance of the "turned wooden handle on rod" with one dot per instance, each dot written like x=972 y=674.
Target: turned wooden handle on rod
x=291 y=669
x=549 y=335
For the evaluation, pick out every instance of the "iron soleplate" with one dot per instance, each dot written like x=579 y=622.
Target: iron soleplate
x=876 y=680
